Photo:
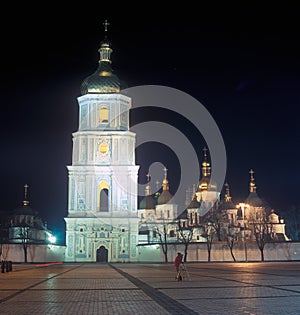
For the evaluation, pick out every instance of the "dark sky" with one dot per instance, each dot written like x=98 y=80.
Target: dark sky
x=243 y=66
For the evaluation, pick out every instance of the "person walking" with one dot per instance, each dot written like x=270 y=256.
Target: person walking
x=177 y=264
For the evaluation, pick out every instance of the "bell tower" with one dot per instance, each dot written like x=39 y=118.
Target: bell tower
x=102 y=180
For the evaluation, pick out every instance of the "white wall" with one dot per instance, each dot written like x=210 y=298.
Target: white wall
x=36 y=253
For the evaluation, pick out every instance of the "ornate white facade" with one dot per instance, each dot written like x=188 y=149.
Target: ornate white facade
x=102 y=220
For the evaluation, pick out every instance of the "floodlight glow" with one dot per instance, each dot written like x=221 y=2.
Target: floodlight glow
x=52 y=239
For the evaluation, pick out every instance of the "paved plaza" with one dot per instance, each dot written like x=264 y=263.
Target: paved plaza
x=261 y=288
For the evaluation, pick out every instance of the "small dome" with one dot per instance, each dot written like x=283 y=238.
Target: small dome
x=148 y=202
x=164 y=197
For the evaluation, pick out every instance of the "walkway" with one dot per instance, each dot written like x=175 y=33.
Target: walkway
x=207 y=288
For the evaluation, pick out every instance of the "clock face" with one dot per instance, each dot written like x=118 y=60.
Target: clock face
x=103 y=148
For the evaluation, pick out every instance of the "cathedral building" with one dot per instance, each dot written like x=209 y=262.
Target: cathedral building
x=104 y=222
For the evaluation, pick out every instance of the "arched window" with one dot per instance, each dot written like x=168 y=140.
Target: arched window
x=103 y=114
x=103 y=197
x=104 y=200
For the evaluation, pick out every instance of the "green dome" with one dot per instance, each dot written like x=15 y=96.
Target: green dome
x=149 y=202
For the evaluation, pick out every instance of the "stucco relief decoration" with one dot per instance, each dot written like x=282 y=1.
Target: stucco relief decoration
x=103 y=152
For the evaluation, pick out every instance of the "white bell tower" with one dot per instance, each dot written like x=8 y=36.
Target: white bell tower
x=102 y=220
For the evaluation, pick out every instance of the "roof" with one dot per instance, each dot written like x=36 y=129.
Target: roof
x=24 y=210
x=148 y=202
x=194 y=203
x=254 y=200
x=164 y=197
x=226 y=205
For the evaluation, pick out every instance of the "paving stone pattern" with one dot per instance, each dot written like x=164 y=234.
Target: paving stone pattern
x=261 y=288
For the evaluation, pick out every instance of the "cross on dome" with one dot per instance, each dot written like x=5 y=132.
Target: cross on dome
x=105 y=24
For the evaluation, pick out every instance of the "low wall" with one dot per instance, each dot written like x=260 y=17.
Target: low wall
x=35 y=253
x=287 y=251
x=198 y=252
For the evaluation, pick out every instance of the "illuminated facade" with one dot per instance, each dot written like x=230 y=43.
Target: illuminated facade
x=102 y=221
x=204 y=208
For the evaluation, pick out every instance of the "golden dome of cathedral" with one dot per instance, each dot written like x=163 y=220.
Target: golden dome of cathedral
x=103 y=80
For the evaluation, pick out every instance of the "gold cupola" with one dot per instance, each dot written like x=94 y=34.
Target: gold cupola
x=103 y=80
x=165 y=196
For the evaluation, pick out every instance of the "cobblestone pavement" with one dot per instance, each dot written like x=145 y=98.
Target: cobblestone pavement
x=263 y=288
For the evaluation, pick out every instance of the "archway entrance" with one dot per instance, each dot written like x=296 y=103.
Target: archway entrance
x=102 y=254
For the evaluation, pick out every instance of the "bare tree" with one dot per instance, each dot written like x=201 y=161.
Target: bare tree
x=185 y=236
x=162 y=232
x=25 y=235
x=262 y=232
x=231 y=238
x=216 y=218
x=208 y=234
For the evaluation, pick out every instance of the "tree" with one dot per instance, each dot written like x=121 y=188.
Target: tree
x=185 y=236
x=262 y=233
x=25 y=235
x=231 y=238
x=216 y=218
x=208 y=234
x=162 y=232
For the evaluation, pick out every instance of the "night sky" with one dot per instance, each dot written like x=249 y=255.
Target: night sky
x=243 y=67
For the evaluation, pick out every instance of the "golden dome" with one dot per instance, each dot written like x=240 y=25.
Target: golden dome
x=103 y=80
x=165 y=181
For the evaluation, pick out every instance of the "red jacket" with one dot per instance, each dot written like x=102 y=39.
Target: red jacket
x=178 y=261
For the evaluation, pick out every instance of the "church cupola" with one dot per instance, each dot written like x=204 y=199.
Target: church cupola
x=148 y=202
x=253 y=199
x=103 y=80
x=165 y=196
x=205 y=182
